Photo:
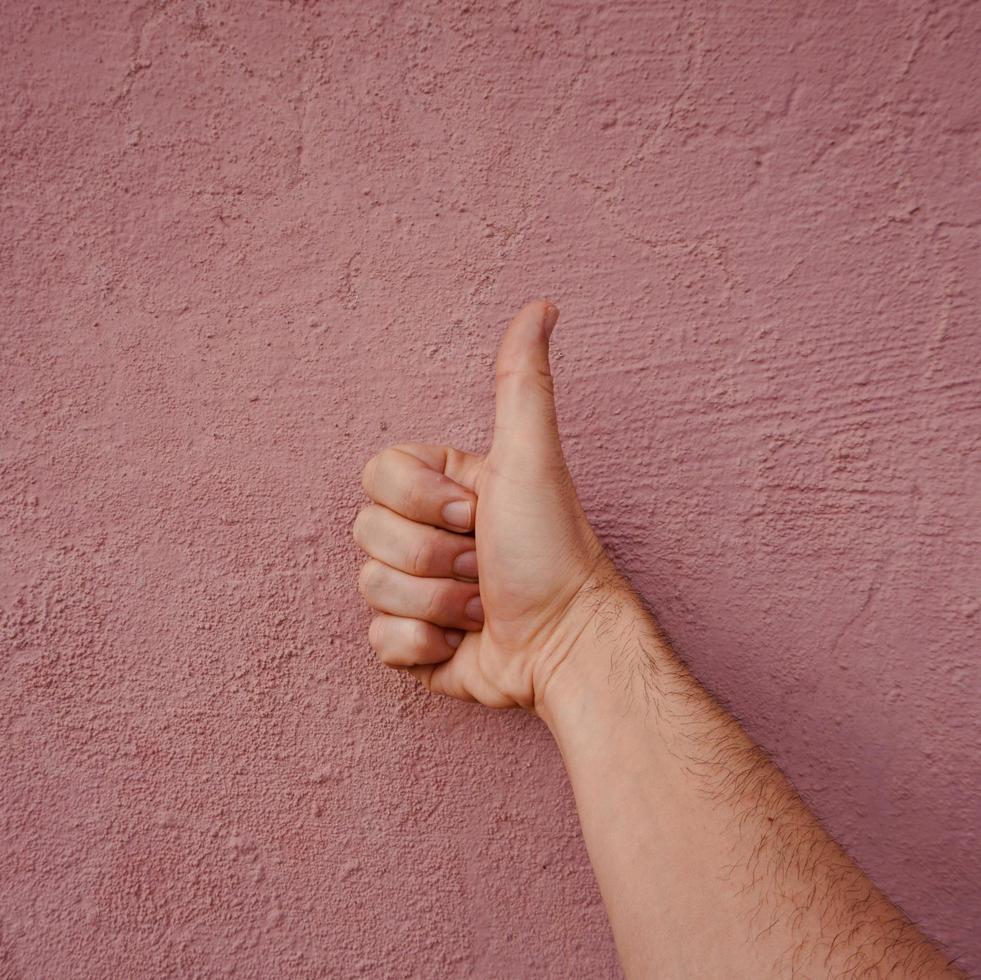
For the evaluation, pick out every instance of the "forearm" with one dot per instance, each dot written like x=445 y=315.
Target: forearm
x=708 y=862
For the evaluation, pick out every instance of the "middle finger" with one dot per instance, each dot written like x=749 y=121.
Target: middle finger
x=418 y=549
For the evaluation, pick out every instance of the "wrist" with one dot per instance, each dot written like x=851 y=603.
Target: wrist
x=613 y=652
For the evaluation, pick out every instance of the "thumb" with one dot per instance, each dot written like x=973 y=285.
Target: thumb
x=525 y=427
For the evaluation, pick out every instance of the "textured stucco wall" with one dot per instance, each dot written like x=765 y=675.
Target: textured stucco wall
x=246 y=245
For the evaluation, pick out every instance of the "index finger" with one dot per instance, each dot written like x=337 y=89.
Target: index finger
x=404 y=483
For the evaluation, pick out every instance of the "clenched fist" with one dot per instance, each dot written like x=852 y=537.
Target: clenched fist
x=483 y=569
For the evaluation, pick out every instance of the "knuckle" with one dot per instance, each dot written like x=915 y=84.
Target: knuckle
x=375 y=629
x=437 y=605
x=383 y=650
x=525 y=376
x=360 y=527
x=368 y=578
x=373 y=470
x=422 y=558
x=415 y=500
x=417 y=638
x=368 y=474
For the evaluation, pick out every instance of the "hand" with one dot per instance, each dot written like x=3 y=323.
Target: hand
x=494 y=615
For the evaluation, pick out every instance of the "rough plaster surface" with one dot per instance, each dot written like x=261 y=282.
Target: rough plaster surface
x=244 y=246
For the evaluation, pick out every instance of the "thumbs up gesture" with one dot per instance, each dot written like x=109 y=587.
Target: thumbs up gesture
x=483 y=570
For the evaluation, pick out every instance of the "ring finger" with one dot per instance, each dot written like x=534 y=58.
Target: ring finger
x=443 y=601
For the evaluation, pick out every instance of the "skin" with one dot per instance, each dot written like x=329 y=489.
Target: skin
x=489 y=585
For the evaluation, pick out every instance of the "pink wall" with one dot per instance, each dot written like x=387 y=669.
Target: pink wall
x=246 y=245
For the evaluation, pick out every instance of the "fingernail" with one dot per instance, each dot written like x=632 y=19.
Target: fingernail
x=475 y=609
x=550 y=319
x=457 y=513
x=465 y=565
x=453 y=637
